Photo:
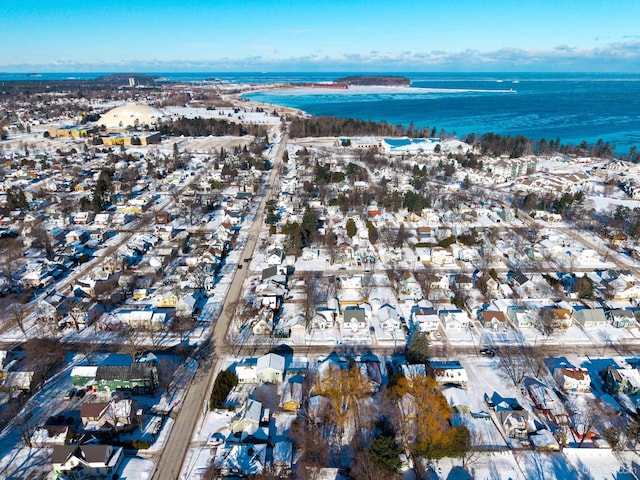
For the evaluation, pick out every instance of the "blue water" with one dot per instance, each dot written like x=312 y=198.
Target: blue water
x=566 y=106
x=571 y=107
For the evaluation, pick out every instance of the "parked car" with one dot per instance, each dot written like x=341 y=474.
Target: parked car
x=70 y=394
x=487 y=351
x=80 y=393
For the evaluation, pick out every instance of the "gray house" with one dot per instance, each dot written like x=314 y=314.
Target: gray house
x=591 y=317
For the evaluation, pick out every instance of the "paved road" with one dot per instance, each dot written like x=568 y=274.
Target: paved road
x=193 y=405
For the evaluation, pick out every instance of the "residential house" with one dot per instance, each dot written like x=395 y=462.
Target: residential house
x=556 y=317
x=449 y=373
x=270 y=294
x=591 y=317
x=51 y=435
x=240 y=460
x=282 y=458
x=389 y=318
x=140 y=378
x=425 y=319
x=519 y=279
x=573 y=379
x=102 y=220
x=324 y=318
x=514 y=423
x=52 y=307
x=91 y=412
x=185 y=306
x=270 y=368
x=18 y=381
x=292 y=394
x=83 y=218
x=76 y=236
x=454 y=319
x=143 y=318
x=409 y=289
x=426 y=235
x=247 y=422
x=521 y=316
x=119 y=414
x=163 y=217
x=263 y=322
x=621 y=318
x=496 y=321
x=369 y=366
x=86 y=461
x=621 y=378
x=275 y=256
x=354 y=318
x=545 y=400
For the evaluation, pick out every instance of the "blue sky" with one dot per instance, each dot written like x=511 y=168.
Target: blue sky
x=201 y=35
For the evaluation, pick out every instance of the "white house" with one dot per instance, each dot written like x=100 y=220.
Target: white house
x=270 y=368
x=426 y=320
x=496 y=321
x=185 y=306
x=449 y=373
x=621 y=318
x=454 y=319
x=573 y=379
x=86 y=461
x=389 y=318
x=248 y=420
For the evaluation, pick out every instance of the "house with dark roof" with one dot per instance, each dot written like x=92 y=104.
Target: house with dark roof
x=140 y=378
x=86 y=461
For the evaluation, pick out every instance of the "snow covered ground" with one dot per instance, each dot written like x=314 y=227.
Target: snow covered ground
x=136 y=468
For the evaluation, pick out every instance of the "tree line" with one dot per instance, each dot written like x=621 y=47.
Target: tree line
x=337 y=127
x=203 y=127
x=490 y=143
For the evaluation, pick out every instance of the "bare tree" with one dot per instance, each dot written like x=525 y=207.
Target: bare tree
x=11 y=259
x=182 y=325
x=199 y=276
x=42 y=355
x=513 y=362
x=547 y=320
x=130 y=341
x=312 y=296
x=17 y=314
x=167 y=367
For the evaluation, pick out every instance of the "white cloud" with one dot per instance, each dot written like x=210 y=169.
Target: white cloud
x=621 y=56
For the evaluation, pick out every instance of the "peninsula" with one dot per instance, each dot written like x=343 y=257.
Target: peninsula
x=375 y=80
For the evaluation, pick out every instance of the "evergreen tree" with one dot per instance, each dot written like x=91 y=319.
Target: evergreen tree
x=418 y=349
x=384 y=452
x=351 y=227
x=224 y=383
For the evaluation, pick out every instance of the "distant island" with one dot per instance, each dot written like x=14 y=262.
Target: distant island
x=375 y=80
x=123 y=78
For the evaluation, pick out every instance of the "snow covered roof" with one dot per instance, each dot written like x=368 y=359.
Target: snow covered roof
x=271 y=360
x=130 y=115
x=243 y=459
